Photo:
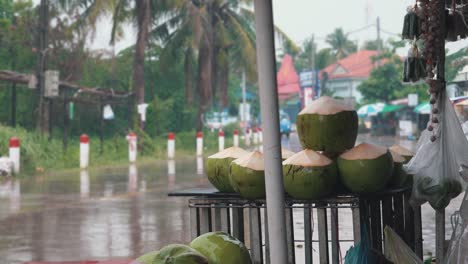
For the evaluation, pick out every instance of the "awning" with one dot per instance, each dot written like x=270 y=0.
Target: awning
x=423 y=108
x=391 y=108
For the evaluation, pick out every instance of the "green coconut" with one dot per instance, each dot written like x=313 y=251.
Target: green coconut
x=221 y=248
x=366 y=168
x=247 y=176
x=328 y=125
x=286 y=154
x=173 y=254
x=399 y=177
x=217 y=167
x=404 y=152
x=309 y=175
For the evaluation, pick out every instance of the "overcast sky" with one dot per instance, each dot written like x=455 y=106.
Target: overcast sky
x=301 y=19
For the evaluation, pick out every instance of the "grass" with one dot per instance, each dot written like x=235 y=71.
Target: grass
x=39 y=153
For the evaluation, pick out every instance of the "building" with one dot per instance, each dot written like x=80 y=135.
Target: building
x=345 y=75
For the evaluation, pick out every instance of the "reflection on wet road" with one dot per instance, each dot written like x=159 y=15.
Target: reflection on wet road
x=123 y=212
x=95 y=215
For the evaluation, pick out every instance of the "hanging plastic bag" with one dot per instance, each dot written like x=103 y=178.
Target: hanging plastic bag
x=456 y=27
x=107 y=113
x=397 y=251
x=458 y=246
x=441 y=159
x=414 y=67
x=362 y=253
x=411 y=24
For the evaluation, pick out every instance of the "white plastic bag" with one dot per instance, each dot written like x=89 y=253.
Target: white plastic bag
x=458 y=248
x=107 y=113
x=437 y=166
x=396 y=249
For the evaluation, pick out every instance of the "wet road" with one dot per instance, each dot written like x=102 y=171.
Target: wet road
x=103 y=214
x=123 y=212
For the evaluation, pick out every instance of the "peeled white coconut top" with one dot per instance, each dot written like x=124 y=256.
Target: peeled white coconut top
x=232 y=152
x=286 y=153
x=308 y=158
x=401 y=150
x=326 y=106
x=253 y=160
x=397 y=157
x=364 y=151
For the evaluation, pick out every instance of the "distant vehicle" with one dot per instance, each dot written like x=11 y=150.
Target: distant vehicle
x=285 y=124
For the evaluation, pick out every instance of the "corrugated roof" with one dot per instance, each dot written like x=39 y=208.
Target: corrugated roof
x=356 y=65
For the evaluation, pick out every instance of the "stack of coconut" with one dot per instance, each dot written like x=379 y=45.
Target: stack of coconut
x=327 y=131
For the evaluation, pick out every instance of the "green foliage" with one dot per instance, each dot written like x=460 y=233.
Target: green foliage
x=340 y=43
x=384 y=84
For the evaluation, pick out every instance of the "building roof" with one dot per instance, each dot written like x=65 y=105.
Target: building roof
x=287 y=78
x=356 y=65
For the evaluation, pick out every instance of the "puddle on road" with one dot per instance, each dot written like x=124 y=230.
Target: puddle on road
x=124 y=212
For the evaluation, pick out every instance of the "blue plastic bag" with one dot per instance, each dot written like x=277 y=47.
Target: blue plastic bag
x=362 y=253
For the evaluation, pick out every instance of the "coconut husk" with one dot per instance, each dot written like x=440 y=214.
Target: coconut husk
x=364 y=151
x=326 y=105
x=308 y=158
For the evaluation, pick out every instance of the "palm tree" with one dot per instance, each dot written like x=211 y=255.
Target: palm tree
x=139 y=12
x=340 y=43
x=219 y=35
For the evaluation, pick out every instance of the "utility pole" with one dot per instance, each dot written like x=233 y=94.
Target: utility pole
x=379 y=42
x=44 y=110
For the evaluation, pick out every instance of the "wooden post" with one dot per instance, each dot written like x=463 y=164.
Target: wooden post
x=13 y=105
x=101 y=127
x=65 y=124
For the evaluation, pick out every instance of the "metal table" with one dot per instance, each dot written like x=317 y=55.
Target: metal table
x=246 y=220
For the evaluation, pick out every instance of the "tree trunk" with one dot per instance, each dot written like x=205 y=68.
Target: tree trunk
x=223 y=79
x=143 y=10
x=204 y=79
x=188 y=72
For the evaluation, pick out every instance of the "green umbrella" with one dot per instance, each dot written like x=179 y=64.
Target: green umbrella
x=423 y=108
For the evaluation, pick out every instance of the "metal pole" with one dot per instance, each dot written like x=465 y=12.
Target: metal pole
x=379 y=46
x=272 y=144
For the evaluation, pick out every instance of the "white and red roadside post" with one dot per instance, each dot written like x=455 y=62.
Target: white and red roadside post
x=132 y=147
x=260 y=135
x=15 y=154
x=235 y=139
x=255 y=136
x=221 y=140
x=84 y=151
x=170 y=145
x=247 y=136
x=199 y=143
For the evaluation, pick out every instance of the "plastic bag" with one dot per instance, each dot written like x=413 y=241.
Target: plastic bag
x=437 y=166
x=362 y=253
x=458 y=248
x=396 y=249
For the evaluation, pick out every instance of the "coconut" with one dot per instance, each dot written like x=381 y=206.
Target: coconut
x=399 y=177
x=404 y=152
x=217 y=167
x=366 y=168
x=220 y=247
x=247 y=175
x=327 y=125
x=175 y=253
x=309 y=175
x=286 y=154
